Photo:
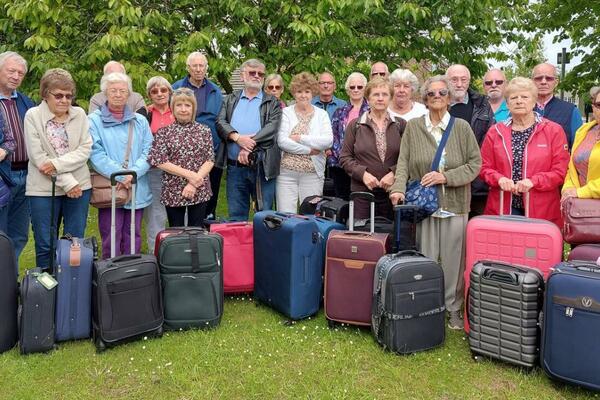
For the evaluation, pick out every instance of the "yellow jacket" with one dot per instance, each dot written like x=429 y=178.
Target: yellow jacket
x=591 y=190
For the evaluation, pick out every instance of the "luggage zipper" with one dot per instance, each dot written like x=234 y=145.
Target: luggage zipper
x=569 y=312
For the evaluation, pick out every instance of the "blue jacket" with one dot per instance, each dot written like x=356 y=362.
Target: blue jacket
x=24 y=103
x=110 y=142
x=565 y=114
x=214 y=100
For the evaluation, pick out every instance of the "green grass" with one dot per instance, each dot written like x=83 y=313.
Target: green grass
x=254 y=355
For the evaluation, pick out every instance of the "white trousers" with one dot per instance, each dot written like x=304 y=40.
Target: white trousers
x=293 y=187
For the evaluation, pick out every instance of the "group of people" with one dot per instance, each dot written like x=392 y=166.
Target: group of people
x=517 y=138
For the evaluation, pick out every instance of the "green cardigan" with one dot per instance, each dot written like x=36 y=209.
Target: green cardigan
x=463 y=161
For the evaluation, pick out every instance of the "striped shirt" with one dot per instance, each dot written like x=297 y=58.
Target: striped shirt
x=8 y=107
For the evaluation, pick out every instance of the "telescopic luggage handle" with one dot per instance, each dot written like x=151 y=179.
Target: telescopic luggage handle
x=361 y=195
x=525 y=200
x=115 y=175
x=53 y=232
x=113 y=209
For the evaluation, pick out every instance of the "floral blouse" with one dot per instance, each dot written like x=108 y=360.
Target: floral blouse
x=57 y=136
x=519 y=142
x=187 y=145
x=299 y=162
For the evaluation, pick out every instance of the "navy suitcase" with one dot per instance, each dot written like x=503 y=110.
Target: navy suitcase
x=74 y=292
x=288 y=263
x=8 y=294
x=36 y=314
x=571 y=323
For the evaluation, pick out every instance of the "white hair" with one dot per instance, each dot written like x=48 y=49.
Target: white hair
x=158 y=81
x=196 y=54
x=405 y=75
x=110 y=63
x=355 y=75
x=115 y=77
x=4 y=57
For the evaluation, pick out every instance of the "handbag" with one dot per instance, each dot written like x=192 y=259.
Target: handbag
x=581 y=220
x=426 y=198
x=101 y=187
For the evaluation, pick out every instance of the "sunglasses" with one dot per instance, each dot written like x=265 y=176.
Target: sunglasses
x=498 y=82
x=377 y=73
x=441 y=92
x=157 y=91
x=596 y=105
x=256 y=73
x=323 y=83
x=273 y=87
x=358 y=87
x=540 y=78
x=60 y=96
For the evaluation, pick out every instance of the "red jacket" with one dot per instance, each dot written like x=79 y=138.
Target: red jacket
x=544 y=163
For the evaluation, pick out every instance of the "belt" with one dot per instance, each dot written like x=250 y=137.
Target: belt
x=19 y=165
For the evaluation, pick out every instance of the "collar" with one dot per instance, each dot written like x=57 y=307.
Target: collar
x=465 y=100
x=541 y=106
x=108 y=120
x=258 y=96
x=537 y=116
x=13 y=95
x=365 y=118
x=191 y=84
x=47 y=115
x=443 y=123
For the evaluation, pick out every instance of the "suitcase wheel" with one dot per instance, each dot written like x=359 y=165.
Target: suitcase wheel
x=331 y=324
x=160 y=331
x=100 y=345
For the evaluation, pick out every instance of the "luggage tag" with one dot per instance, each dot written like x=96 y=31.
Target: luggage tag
x=75 y=253
x=46 y=280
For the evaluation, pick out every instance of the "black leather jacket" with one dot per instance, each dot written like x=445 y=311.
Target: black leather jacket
x=481 y=121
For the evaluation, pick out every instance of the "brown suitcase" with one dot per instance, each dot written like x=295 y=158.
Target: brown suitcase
x=349 y=267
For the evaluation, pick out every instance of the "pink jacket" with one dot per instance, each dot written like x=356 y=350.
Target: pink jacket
x=544 y=163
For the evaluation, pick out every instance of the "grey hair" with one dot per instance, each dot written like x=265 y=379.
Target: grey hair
x=594 y=92
x=157 y=81
x=115 y=77
x=253 y=63
x=353 y=76
x=437 y=78
x=108 y=64
x=405 y=75
x=195 y=54
x=4 y=57
x=271 y=77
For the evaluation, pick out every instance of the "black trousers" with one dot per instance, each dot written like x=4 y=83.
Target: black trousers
x=196 y=215
x=341 y=181
x=215 y=184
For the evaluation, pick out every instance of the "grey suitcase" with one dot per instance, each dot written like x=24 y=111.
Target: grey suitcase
x=504 y=305
x=36 y=314
x=408 y=303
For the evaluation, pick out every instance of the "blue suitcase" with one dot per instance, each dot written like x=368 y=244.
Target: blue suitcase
x=571 y=323
x=325 y=227
x=288 y=263
x=75 y=258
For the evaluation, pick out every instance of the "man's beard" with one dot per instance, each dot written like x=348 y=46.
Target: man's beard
x=253 y=85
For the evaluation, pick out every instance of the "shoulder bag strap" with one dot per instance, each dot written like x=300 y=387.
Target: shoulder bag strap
x=129 y=142
x=438 y=154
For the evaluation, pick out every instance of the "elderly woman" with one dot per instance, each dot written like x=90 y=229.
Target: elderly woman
x=110 y=127
x=442 y=235
x=58 y=143
x=355 y=88
x=583 y=175
x=403 y=105
x=159 y=115
x=184 y=150
x=524 y=155
x=274 y=86
x=370 y=150
x=303 y=137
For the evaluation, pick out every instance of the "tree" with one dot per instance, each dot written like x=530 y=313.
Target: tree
x=153 y=37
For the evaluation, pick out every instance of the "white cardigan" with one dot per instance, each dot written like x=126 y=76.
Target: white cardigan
x=320 y=136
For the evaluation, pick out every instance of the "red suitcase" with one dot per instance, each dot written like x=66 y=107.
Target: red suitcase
x=516 y=240
x=349 y=267
x=238 y=256
x=586 y=252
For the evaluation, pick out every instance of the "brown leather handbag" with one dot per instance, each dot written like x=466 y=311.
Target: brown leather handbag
x=101 y=189
x=581 y=220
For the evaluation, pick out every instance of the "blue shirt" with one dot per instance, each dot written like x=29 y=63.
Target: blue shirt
x=245 y=120
x=13 y=95
x=330 y=107
x=502 y=113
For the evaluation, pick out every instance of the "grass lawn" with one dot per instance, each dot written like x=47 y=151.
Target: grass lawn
x=254 y=355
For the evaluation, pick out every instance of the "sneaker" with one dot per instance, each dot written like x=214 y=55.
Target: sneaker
x=455 y=321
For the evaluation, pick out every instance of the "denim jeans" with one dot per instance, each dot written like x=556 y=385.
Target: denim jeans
x=18 y=214
x=241 y=186
x=74 y=213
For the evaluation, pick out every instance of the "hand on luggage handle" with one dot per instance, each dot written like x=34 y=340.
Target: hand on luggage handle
x=114 y=175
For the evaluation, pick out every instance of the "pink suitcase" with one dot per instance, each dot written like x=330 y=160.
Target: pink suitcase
x=238 y=256
x=515 y=240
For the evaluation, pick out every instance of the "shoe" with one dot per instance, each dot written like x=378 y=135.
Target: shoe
x=455 y=321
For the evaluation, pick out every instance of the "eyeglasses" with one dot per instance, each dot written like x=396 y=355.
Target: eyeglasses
x=112 y=92
x=377 y=73
x=260 y=74
x=60 y=96
x=156 y=91
x=325 y=83
x=357 y=87
x=197 y=66
x=441 y=92
x=274 y=87
x=596 y=105
x=548 y=78
x=497 y=82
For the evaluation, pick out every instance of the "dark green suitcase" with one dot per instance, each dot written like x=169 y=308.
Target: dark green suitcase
x=191 y=271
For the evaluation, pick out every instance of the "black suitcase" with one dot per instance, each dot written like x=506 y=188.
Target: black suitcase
x=408 y=312
x=191 y=271
x=332 y=208
x=382 y=225
x=126 y=293
x=8 y=294
x=36 y=312
x=504 y=305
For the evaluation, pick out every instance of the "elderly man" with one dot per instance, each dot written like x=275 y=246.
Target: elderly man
x=209 y=100
x=135 y=100
x=326 y=100
x=13 y=106
x=379 y=69
x=248 y=124
x=565 y=114
x=494 y=82
x=476 y=110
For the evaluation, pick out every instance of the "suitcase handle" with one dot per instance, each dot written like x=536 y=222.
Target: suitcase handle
x=408 y=253
x=505 y=266
x=361 y=195
x=587 y=266
x=502 y=276
x=114 y=175
x=126 y=257
x=272 y=222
